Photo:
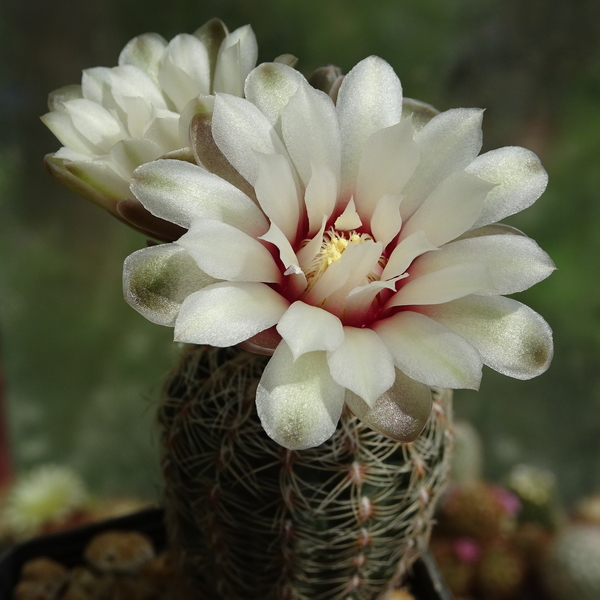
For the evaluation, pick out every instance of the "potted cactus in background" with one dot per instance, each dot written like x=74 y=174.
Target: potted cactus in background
x=332 y=253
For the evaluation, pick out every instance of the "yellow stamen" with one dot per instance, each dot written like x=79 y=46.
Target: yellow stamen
x=332 y=248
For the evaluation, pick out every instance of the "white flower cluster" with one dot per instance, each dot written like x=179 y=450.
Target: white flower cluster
x=139 y=111
x=356 y=241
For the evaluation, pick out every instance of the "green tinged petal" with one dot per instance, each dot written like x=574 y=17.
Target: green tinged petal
x=156 y=280
x=212 y=34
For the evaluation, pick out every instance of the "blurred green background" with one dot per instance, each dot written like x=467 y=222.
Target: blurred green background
x=82 y=369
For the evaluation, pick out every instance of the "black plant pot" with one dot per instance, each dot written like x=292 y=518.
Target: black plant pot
x=67 y=548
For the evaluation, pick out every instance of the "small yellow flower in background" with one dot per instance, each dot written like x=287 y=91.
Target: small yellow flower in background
x=44 y=496
x=356 y=241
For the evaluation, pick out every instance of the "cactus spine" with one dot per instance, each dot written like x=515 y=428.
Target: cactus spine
x=252 y=520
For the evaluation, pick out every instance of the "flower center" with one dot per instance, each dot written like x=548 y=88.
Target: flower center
x=332 y=247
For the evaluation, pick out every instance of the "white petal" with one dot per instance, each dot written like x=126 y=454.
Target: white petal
x=97 y=182
x=179 y=192
x=370 y=98
x=311 y=132
x=362 y=364
x=368 y=254
x=286 y=253
x=419 y=112
x=307 y=328
x=349 y=219
x=164 y=131
x=237 y=57
x=276 y=193
x=202 y=105
x=341 y=277
x=88 y=122
x=225 y=252
x=110 y=87
x=144 y=52
x=401 y=413
x=184 y=71
x=296 y=280
x=449 y=142
x=212 y=34
x=298 y=402
x=225 y=314
x=520 y=177
x=429 y=352
x=333 y=278
x=100 y=176
x=248 y=48
x=97 y=84
x=129 y=154
x=60 y=123
x=270 y=87
x=444 y=285
x=360 y=299
x=228 y=76
x=493 y=229
x=95 y=123
x=450 y=210
x=511 y=338
x=286 y=59
x=405 y=252
x=389 y=159
x=386 y=221
x=69 y=154
x=198 y=132
x=320 y=196
x=515 y=262
x=138 y=115
x=240 y=130
x=57 y=98
x=309 y=252
x=157 y=279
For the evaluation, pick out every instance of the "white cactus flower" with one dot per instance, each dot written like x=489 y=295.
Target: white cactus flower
x=361 y=249
x=140 y=110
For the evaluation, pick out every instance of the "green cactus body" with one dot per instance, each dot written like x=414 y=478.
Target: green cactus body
x=252 y=520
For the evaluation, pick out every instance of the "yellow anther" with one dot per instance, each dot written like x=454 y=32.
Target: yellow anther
x=332 y=248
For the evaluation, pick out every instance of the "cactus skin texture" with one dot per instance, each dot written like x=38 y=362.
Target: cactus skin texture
x=249 y=519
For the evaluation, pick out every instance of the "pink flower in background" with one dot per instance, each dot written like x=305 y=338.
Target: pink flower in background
x=509 y=500
x=467 y=550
